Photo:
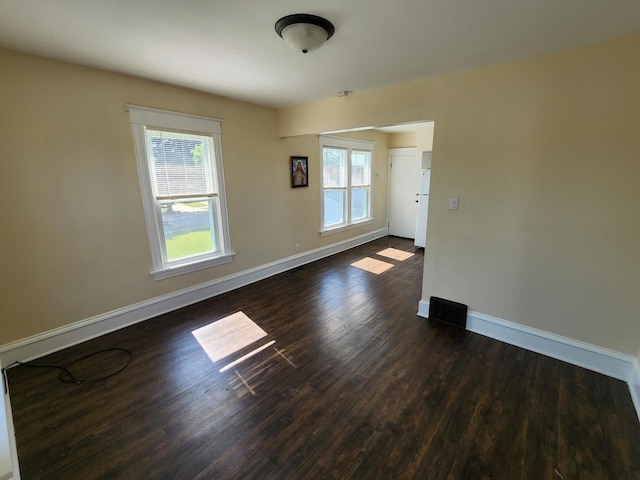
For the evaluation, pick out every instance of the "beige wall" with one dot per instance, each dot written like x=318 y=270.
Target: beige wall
x=424 y=138
x=402 y=140
x=544 y=156
x=74 y=243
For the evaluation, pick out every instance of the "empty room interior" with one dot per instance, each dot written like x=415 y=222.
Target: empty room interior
x=300 y=240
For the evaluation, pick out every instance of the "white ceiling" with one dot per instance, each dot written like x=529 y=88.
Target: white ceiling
x=231 y=48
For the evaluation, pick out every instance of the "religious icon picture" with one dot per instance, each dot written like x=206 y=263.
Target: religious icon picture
x=299 y=172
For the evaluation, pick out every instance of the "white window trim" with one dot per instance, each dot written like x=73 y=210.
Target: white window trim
x=164 y=119
x=344 y=227
x=349 y=144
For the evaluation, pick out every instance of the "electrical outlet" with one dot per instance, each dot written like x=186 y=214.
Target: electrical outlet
x=453 y=203
x=297 y=247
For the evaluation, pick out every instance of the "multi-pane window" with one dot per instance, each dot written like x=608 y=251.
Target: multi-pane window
x=346 y=182
x=360 y=184
x=180 y=164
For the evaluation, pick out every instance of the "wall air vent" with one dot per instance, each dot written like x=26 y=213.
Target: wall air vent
x=448 y=311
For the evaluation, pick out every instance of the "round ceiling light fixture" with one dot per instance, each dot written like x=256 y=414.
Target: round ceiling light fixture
x=304 y=32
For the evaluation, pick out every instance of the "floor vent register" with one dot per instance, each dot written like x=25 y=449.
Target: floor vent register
x=447 y=311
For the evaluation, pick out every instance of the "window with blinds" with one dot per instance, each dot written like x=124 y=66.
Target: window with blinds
x=180 y=164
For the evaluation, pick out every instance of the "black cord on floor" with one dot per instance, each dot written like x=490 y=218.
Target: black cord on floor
x=65 y=374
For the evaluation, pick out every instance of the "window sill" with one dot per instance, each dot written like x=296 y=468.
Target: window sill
x=342 y=228
x=172 y=271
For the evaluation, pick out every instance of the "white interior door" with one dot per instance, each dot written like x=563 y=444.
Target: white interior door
x=404 y=186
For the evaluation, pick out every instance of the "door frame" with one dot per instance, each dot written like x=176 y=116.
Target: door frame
x=404 y=151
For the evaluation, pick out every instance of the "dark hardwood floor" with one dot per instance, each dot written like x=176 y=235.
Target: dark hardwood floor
x=359 y=387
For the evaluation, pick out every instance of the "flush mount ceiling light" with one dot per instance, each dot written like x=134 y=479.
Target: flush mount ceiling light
x=304 y=32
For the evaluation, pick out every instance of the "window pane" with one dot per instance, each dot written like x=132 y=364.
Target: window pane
x=334 y=167
x=360 y=173
x=359 y=203
x=188 y=228
x=180 y=163
x=333 y=207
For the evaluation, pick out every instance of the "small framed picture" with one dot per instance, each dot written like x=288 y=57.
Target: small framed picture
x=299 y=172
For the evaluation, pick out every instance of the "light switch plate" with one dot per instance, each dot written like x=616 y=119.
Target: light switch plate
x=453 y=203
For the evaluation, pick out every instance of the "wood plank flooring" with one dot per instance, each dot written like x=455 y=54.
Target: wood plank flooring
x=355 y=387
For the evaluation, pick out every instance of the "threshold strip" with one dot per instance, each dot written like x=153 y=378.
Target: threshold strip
x=244 y=357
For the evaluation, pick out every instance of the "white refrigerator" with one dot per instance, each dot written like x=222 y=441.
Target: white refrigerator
x=423 y=208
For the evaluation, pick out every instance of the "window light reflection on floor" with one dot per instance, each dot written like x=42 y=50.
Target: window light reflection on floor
x=372 y=265
x=395 y=254
x=248 y=355
x=228 y=335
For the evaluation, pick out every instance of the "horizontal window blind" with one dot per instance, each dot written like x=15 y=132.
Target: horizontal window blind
x=179 y=159
x=181 y=164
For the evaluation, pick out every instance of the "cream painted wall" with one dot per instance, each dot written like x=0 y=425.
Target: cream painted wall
x=73 y=241
x=543 y=154
x=402 y=140
x=424 y=138
x=305 y=207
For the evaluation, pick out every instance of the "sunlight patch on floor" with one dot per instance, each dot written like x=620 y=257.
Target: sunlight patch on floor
x=372 y=265
x=395 y=254
x=232 y=334
x=259 y=373
x=226 y=336
x=248 y=355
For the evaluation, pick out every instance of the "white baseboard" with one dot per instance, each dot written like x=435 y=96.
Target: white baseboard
x=9 y=453
x=634 y=386
x=63 y=337
x=423 y=309
x=586 y=355
x=608 y=362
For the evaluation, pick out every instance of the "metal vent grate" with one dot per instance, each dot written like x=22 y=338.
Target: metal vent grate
x=447 y=311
